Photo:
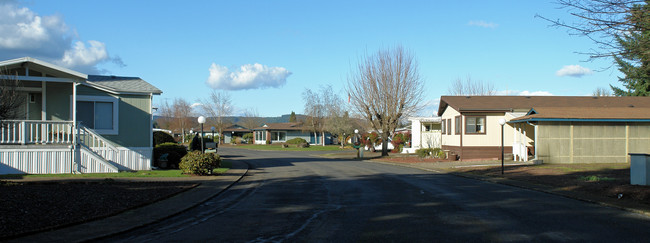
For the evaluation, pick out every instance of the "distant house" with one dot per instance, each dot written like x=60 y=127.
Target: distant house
x=73 y=122
x=425 y=133
x=555 y=129
x=234 y=131
x=281 y=132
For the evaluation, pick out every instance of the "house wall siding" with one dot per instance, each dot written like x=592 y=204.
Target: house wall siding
x=453 y=139
x=585 y=142
x=58 y=101
x=134 y=120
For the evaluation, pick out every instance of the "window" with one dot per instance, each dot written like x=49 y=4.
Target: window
x=443 y=126
x=475 y=125
x=457 y=125
x=278 y=136
x=98 y=113
x=428 y=127
x=449 y=126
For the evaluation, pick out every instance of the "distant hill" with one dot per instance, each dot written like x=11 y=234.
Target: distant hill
x=237 y=119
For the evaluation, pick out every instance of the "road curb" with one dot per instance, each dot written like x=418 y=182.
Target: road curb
x=142 y=216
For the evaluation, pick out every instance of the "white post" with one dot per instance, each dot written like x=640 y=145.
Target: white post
x=523 y=146
x=75 y=128
x=23 y=133
x=43 y=103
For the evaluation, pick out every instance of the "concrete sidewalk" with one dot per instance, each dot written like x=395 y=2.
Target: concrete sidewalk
x=144 y=215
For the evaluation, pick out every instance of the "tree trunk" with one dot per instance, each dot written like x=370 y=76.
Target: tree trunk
x=323 y=137
x=384 y=145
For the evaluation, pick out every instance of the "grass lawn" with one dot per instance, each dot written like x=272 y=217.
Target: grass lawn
x=278 y=147
x=225 y=165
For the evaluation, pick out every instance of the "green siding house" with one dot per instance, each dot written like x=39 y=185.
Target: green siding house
x=72 y=122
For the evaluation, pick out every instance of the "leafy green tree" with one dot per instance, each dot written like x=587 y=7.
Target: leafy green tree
x=634 y=62
x=292 y=117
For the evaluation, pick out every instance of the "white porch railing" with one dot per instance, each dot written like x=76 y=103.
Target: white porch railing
x=96 y=143
x=34 y=132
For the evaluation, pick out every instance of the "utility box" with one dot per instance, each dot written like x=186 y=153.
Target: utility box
x=639 y=169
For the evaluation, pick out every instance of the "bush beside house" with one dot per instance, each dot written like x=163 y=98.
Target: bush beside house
x=160 y=137
x=174 y=153
x=197 y=163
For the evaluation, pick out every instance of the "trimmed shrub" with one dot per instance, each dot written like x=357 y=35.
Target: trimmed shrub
x=248 y=137
x=303 y=145
x=174 y=154
x=160 y=137
x=424 y=152
x=197 y=163
x=296 y=141
x=195 y=145
x=268 y=141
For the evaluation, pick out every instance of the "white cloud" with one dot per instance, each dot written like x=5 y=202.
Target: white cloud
x=82 y=56
x=249 y=76
x=196 y=105
x=573 y=71
x=25 y=33
x=524 y=93
x=482 y=23
x=534 y=93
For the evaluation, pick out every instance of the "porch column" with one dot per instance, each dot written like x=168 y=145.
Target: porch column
x=43 y=99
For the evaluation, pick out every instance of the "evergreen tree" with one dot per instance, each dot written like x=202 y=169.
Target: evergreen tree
x=292 y=117
x=634 y=61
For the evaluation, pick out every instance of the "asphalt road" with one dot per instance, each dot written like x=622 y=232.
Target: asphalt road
x=297 y=197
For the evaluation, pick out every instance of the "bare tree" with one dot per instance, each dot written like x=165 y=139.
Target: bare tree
x=166 y=114
x=338 y=121
x=385 y=87
x=218 y=106
x=10 y=99
x=600 y=91
x=316 y=109
x=181 y=111
x=471 y=87
x=251 y=119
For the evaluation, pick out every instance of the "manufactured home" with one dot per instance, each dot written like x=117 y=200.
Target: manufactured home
x=71 y=122
x=553 y=129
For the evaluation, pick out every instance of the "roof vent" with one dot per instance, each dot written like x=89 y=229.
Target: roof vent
x=468 y=97
x=631 y=106
x=527 y=97
x=595 y=97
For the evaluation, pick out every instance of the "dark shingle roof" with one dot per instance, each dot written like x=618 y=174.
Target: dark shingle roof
x=586 y=113
x=123 y=84
x=525 y=103
x=294 y=126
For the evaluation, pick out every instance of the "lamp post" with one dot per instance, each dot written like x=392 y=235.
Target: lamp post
x=201 y=121
x=502 y=122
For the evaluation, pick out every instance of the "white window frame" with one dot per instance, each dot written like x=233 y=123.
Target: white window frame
x=114 y=100
x=278 y=135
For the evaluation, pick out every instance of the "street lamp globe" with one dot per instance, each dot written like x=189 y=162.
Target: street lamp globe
x=502 y=121
x=201 y=119
x=356 y=131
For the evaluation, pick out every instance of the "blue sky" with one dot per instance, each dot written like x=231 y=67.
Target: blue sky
x=266 y=53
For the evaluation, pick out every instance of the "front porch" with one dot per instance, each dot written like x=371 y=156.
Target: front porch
x=54 y=147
